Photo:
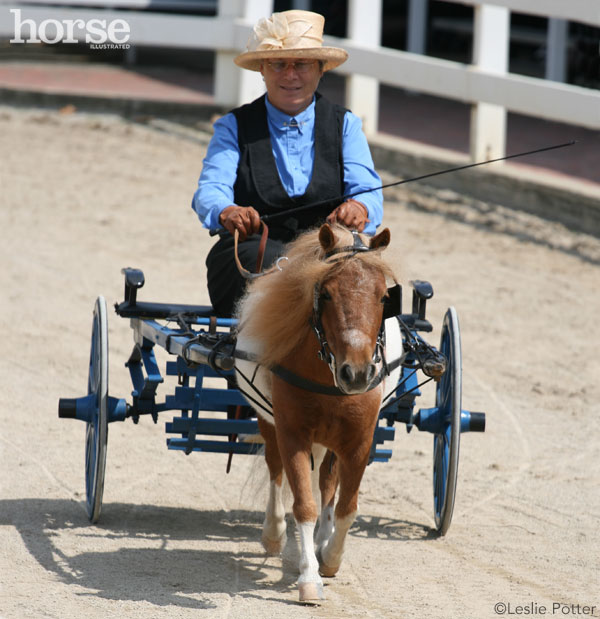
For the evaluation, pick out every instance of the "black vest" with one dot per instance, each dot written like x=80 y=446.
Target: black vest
x=258 y=183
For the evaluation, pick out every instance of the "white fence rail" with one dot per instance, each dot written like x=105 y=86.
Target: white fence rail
x=584 y=11
x=485 y=83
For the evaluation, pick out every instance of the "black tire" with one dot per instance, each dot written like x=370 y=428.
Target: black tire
x=446 y=444
x=96 y=434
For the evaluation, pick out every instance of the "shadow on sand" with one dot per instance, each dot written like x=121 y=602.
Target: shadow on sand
x=104 y=558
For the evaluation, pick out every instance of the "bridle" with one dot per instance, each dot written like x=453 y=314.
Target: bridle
x=392 y=308
x=325 y=353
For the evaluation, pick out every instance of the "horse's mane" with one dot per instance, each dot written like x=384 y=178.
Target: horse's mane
x=275 y=310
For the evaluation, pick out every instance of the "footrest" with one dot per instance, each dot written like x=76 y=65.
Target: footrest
x=215 y=427
x=224 y=447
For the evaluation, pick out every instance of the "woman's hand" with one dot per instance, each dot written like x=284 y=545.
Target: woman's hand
x=351 y=213
x=245 y=219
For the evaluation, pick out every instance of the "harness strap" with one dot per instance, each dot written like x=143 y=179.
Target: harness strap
x=356 y=247
x=310 y=385
x=267 y=406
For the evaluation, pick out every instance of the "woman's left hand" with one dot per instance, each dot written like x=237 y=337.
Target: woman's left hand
x=351 y=213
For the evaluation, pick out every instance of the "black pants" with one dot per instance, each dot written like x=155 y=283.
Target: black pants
x=225 y=284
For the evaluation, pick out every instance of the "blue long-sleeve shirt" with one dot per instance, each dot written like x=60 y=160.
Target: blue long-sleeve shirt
x=294 y=151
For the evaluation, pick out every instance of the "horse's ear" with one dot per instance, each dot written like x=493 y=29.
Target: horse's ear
x=327 y=238
x=381 y=240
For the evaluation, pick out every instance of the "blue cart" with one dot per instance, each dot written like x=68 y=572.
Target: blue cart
x=209 y=419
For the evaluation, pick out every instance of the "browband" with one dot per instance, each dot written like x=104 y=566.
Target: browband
x=356 y=247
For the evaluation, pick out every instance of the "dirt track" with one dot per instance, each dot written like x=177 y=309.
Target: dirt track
x=83 y=196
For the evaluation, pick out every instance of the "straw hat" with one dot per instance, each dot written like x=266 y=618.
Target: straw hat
x=289 y=34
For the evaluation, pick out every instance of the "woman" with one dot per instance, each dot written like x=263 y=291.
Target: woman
x=288 y=148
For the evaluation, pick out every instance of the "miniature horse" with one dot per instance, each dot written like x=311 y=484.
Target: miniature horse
x=323 y=307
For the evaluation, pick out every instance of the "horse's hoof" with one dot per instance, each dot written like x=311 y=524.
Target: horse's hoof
x=324 y=569
x=274 y=547
x=310 y=592
x=327 y=571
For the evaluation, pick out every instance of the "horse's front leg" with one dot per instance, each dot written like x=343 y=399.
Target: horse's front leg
x=330 y=552
x=328 y=480
x=295 y=452
x=274 y=526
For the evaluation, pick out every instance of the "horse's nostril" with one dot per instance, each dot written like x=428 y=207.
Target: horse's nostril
x=371 y=372
x=346 y=373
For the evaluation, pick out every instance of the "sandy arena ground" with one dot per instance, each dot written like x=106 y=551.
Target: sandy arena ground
x=82 y=196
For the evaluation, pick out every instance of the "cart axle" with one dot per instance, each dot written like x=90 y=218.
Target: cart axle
x=429 y=420
x=83 y=408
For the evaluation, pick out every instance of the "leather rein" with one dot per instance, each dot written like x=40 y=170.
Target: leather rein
x=259 y=256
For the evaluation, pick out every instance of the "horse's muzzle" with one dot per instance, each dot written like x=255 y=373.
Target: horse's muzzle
x=355 y=379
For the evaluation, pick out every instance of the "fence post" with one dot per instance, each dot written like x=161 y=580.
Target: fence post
x=416 y=36
x=556 y=49
x=362 y=92
x=490 y=54
x=235 y=86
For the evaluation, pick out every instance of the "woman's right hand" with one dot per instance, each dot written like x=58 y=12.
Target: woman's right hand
x=244 y=219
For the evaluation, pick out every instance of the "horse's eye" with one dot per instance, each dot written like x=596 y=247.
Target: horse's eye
x=325 y=296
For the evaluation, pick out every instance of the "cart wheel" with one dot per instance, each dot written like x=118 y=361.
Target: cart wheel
x=446 y=444
x=97 y=427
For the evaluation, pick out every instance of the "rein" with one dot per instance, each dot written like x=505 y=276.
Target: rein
x=259 y=256
x=357 y=247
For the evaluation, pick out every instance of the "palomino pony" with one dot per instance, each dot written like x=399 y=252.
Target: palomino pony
x=323 y=307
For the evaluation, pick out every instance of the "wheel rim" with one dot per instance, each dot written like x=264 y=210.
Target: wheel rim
x=446 y=443
x=97 y=426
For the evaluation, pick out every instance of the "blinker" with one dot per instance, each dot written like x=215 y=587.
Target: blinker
x=392 y=306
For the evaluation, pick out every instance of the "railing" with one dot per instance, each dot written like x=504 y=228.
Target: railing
x=485 y=83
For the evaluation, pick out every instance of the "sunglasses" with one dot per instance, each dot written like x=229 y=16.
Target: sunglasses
x=300 y=66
